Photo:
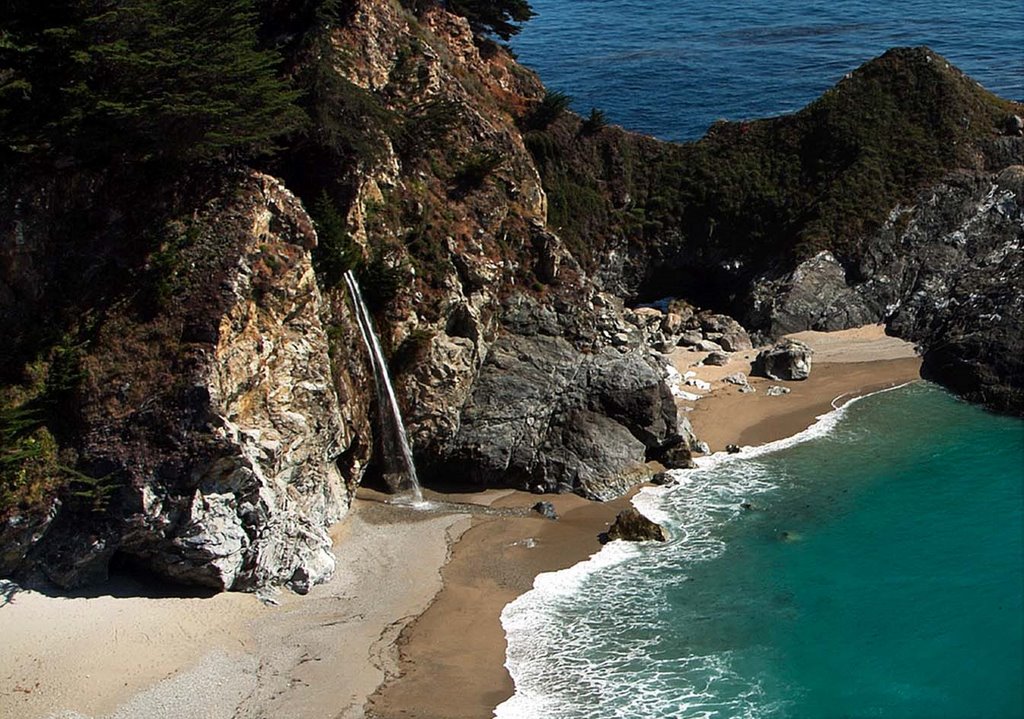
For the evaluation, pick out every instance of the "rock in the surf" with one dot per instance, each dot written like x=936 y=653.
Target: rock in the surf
x=632 y=526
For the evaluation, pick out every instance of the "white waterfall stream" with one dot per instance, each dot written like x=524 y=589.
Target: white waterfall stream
x=399 y=469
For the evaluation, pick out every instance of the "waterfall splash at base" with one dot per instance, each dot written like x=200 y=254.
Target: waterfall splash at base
x=399 y=469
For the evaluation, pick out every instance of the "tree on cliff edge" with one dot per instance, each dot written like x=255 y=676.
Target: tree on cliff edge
x=500 y=17
x=130 y=80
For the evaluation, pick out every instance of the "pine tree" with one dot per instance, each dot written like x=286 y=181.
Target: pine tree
x=500 y=17
x=134 y=80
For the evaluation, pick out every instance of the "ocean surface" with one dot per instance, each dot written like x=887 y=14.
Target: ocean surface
x=877 y=571
x=672 y=67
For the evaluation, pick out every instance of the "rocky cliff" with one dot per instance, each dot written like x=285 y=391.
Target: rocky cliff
x=186 y=390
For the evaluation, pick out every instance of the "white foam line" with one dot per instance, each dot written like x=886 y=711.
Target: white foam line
x=823 y=424
x=519 y=618
x=520 y=621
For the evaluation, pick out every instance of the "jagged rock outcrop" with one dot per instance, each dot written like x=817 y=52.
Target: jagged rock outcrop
x=544 y=415
x=963 y=301
x=220 y=419
x=814 y=296
x=211 y=430
x=631 y=526
x=786 y=360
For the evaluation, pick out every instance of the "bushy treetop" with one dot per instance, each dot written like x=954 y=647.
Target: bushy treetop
x=129 y=80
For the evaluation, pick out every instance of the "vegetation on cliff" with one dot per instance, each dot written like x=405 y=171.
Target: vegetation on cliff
x=124 y=81
x=771 y=192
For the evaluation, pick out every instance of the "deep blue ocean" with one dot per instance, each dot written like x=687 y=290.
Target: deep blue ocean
x=672 y=67
x=879 y=572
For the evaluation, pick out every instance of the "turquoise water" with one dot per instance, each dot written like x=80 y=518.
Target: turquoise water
x=672 y=67
x=879 y=573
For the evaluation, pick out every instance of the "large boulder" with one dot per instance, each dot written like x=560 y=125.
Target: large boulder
x=814 y=296
x=632 y=526
x=545 y=415
x=787 y=360
x=725 y=331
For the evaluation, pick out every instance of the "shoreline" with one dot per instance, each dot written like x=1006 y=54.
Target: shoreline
x=409 y=626
x=459 y=642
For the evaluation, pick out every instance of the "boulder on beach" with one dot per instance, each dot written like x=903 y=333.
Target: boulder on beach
x=787 y=360
x=632 y=526
x=546 y=510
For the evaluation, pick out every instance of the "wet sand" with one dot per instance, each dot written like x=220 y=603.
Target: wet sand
x=410 y=624
x=452 y=657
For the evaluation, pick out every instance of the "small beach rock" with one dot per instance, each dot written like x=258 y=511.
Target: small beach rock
x=703 y=447
x=662 y=479
x=777 y=391
x=737 y=378
x=689 y=338
x=708 y=346
x=746 y=389
x=717 y=359
x=678 y=457
x=632 y=526
x=732 y=448
x=545 y=509
x=725 y=331
x=787 y=360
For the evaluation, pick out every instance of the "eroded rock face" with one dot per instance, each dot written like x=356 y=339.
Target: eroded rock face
x=814 y=296
x=215 y=421
x=545 y=416
x=260 y=514
x=786 y=360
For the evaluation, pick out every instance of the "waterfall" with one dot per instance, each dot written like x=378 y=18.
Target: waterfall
x=394 y=441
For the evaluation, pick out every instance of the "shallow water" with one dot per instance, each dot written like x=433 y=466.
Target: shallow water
x=879 y=573
x=672 y=67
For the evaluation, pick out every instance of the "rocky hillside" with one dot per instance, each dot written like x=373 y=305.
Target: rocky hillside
x=185 y=389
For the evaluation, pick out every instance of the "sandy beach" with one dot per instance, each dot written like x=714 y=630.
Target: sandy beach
x=409 y=625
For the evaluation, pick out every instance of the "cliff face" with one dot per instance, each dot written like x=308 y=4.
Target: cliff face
x=490 y=333
x=891 y=199
x=190 y=386
x=208 y=429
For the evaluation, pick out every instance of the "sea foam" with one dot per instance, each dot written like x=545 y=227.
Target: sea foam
x=559 y=671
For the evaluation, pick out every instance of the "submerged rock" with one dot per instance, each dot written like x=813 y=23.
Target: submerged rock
x=632 y=526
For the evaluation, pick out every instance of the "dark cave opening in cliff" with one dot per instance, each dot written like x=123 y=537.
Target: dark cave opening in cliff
x=130 y=576
x=713 y=288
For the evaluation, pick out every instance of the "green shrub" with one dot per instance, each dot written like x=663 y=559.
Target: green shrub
x=427 y=125
x=498 y=17
x=594 y=123
x=477 y=167
x=336 y=252
x=549 y=109
x=135 y=80
x=28 y=460
x=379 y=282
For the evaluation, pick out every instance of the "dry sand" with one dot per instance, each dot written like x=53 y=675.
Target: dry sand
x=124 y=654
x=229 y=655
